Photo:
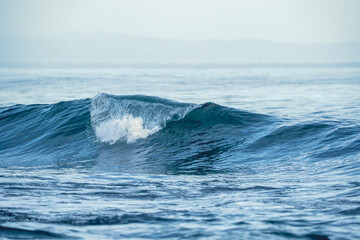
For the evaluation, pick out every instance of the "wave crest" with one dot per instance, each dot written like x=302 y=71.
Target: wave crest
x=129 y=118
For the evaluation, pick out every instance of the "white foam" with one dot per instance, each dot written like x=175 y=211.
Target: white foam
x=127 y=128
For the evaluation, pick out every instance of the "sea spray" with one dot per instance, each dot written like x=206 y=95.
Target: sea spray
x=128 y=118
x=127 y=128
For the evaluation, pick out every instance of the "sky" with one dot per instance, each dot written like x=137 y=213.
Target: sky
x=292 y=21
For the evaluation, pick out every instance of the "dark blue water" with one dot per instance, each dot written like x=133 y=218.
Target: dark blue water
x=202 y=154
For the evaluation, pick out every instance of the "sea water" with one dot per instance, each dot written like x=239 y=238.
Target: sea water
x=247 y=153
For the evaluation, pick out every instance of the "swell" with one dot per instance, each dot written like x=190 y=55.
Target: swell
x=155 y=135
x=41 y=134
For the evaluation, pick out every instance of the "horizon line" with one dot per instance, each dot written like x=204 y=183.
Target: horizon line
x=170 y=39
x=19 y=65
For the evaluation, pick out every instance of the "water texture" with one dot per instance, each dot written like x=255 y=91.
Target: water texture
x=179 y=153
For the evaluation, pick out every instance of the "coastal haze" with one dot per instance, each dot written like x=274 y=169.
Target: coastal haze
x=102 y=48
x=178 y=32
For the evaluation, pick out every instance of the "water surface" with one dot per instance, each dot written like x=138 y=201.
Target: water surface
x=180 y=153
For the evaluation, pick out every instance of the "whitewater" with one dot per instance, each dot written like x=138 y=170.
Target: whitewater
x=180 y=153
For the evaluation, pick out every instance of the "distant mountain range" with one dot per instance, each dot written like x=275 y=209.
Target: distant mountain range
x=103 y=48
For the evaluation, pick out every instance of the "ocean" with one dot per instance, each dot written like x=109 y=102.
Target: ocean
x=131 y=153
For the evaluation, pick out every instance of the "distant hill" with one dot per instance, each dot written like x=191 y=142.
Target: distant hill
x=102 y=48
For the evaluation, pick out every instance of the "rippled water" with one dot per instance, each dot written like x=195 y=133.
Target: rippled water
x=180 y=153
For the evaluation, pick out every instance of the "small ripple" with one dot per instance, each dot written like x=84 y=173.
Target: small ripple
x=19 y=233
x=220 y=189
x=352 y=211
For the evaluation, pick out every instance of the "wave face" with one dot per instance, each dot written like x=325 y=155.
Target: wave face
x=146 y=134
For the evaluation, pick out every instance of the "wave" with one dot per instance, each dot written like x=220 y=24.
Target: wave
x=156 y=135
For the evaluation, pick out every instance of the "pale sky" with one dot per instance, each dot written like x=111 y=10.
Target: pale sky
x=299 y=21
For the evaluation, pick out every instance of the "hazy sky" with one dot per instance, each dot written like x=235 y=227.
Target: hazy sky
x=302 y=21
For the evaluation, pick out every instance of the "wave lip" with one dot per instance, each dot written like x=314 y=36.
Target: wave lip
x=129 y=118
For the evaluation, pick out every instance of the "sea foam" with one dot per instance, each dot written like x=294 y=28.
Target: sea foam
x=128 y=129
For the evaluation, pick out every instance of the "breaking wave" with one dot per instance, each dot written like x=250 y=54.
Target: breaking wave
x=129 y=118
x=155 y=135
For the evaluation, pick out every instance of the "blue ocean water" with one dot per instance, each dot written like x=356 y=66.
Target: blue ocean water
x=259 y=153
